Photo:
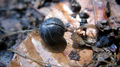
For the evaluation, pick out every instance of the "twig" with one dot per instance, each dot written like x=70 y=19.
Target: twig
x=27 y=57
x=67 y=29
x=88 y=26
x=105 y=62
x=113 y=60
x=23 y=31
x=88 y=63
x=4 y=30
x=94 y=11
x=34 y=8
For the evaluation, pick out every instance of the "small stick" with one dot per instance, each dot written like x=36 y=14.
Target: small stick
x=23 y=31
x=27 y=57
x=94 y=11
x=4 y=30
x=88 y=26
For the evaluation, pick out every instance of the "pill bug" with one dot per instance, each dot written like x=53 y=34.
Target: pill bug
x=52 y=30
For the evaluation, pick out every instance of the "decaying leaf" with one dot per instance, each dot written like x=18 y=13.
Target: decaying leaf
x=74 y=55
x=77 y=39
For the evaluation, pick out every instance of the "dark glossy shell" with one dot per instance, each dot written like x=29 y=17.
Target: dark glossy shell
x=52 y=30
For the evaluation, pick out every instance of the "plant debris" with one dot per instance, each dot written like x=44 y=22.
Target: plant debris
x=91 y=38
x=74 y=55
